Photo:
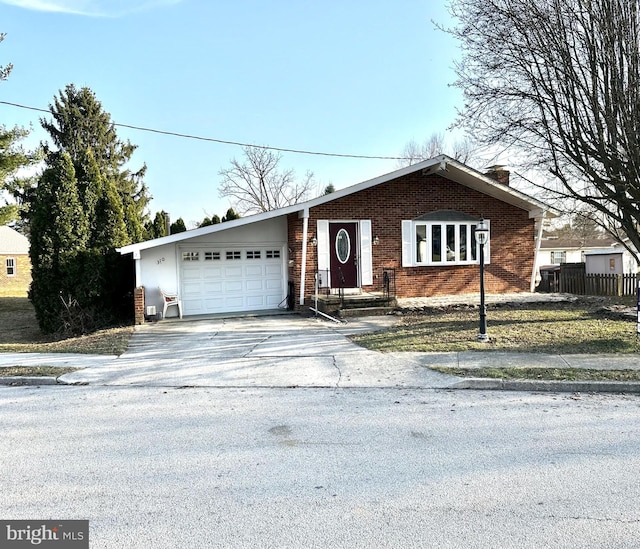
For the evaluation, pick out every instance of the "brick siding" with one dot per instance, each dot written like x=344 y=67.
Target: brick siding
x=138 y=305
x=18 y=285
x=408 y=197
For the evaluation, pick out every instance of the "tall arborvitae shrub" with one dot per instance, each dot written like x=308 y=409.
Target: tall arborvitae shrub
x=87 y=204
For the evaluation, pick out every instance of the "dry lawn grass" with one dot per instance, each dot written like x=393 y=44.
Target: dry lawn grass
x=20 y=334
x=561 y=328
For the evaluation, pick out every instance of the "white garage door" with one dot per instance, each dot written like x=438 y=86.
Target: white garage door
x=220 y=280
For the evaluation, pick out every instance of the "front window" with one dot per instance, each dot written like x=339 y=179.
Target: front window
x=445 y=243
x=558 y=258
x=11 y=266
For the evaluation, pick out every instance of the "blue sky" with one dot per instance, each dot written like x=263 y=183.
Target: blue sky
x=352 y=77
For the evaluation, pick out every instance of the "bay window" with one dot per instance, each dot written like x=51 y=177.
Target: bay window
x=440 y=242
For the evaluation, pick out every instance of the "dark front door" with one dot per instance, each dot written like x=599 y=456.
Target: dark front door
x=343 y=250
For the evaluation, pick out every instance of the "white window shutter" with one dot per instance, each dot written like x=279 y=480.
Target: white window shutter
x=366 y=253
x=407 y=248
x=323 y=248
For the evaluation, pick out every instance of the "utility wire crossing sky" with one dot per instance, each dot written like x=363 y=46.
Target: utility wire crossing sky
x=338 y=88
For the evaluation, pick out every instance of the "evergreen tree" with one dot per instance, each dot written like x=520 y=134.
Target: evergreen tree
x=6 y=69
x=12 y=158
x=81 y=125
x=178 y=226
x=329 y=189
x=58 y=234
x=230 y=215
x=79 y=281
x=102 y=207
x=209 y=221
x=158 y=228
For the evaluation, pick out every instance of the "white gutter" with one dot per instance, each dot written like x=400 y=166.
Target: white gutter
x=303 y=267
x=532 y=286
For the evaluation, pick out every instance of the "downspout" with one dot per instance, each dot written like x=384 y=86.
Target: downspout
x=532 y=287
x=303 y=267
x=136 y=260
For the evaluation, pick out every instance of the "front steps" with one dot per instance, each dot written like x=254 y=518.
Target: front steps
x=370 y=304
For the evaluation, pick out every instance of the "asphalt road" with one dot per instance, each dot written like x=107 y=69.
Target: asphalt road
x=154 y=467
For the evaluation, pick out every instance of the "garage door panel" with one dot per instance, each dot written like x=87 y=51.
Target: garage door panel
x=194 y=306
x=254 y=285
x=233 y=272
x=191 y=288
x=191 y=273
x=273 y=284
x=212 y=272
x=213 y=303
x=272 y=301
x=233 y=286
x=273 y=270
x=212 y=287
x=255 y=301
x=234 y=302
x=253 y=270
x=239 y=280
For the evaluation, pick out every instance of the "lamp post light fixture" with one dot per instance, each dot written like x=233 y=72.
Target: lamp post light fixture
x=482 y=236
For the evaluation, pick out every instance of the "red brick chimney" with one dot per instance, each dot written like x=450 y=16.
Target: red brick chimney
x=499 y=174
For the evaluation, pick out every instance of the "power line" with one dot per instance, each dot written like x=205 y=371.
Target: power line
x=224 y=141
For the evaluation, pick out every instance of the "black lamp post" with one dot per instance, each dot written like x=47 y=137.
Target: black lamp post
x=482 y=236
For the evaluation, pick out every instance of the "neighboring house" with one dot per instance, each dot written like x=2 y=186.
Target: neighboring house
x=557 y=251
x=614 y=259
x=416 y=224
x=15 y=265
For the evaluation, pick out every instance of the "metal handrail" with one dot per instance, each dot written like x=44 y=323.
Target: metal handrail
x=341 y=288
x=388 y=283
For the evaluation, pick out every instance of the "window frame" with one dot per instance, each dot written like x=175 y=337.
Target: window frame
x=191 y=255
x=444 y=229
x=562 y=255
x=11 y=264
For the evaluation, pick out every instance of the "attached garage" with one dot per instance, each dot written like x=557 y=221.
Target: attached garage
x=231 y=279
x=231 y=267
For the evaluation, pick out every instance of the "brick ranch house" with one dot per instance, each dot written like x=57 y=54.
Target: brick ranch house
x=416 y=224
x=15 y=265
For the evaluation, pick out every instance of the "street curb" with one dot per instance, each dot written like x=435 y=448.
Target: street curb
x=486 y=384
x=15 y=381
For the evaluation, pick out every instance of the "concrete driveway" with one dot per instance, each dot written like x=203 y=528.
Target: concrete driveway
x=268 y=351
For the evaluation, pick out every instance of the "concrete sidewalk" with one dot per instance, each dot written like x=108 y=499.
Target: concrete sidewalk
x=365 y=369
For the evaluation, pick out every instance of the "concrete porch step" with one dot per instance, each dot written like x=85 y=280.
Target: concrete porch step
x=360 y=304
x=364 y=311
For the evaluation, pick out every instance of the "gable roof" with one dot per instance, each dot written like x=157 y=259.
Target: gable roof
x=576 y=243
x=441 y=165
x=12 y=242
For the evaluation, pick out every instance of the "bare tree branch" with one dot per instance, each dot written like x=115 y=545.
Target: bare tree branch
x=413 y=152
x=558 y=83
x=256 y=184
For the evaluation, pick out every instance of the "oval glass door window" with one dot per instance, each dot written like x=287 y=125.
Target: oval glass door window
x=343 y=246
